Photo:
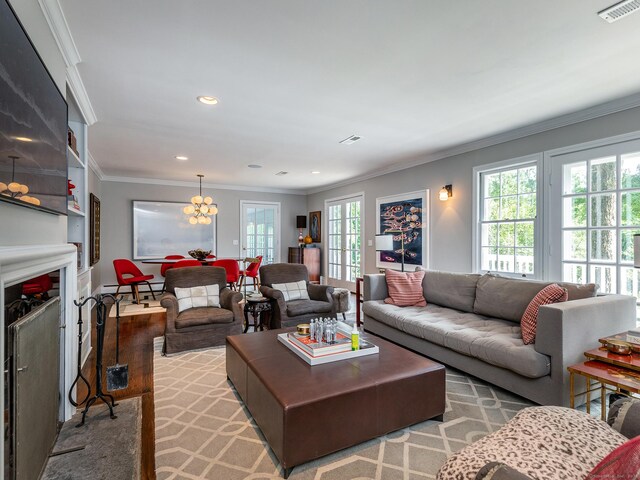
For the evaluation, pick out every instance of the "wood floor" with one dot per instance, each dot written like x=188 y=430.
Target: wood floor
x=136 y=350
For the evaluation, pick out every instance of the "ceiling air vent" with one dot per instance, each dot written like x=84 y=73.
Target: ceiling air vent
x=280 y=173
x=620 y=10
x=350 y=140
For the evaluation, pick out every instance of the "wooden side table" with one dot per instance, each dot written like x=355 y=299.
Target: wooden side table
x=359 y=282
x=260 y=311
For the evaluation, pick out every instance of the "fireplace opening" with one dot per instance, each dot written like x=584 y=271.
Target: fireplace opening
x=32 y=379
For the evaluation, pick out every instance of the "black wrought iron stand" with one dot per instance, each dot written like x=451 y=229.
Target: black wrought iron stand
x=101 y=318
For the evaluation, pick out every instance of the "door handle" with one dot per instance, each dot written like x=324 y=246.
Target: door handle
x=23 y=369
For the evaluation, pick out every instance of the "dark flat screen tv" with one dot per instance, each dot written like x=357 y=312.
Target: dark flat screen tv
x=33 y=123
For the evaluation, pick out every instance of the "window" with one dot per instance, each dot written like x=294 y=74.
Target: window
x=508 y=210
x=260 y=230
x=599 y=193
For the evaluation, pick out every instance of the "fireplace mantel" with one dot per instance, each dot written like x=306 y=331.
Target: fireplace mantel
x=19 y=263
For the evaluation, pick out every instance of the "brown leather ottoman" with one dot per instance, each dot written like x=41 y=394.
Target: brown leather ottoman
x=307 y=412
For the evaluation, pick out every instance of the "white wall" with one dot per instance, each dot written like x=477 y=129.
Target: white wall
x=116 y=204
x=22 y=225
x=450 y=227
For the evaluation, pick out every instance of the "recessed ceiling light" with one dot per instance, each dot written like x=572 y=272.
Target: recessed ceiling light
x=254 y=165
x=23 y=139
x=181 y=157
x=315 y=172
x=207 y=100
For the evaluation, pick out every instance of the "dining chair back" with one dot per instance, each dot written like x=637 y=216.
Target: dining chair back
x=38 y=286
x=128 y=274
x=187 y=263
x=251 y=271
x=232 y=268
x=166 y=266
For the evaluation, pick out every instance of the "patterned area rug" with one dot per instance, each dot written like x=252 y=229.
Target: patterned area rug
x=147 y=306
x=203 y=430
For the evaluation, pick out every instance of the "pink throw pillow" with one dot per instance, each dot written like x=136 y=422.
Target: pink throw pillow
x=405 y=289
x=553 y=293
x=622 y=463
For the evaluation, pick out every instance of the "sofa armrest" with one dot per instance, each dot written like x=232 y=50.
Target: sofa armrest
x=375 y=287
x=624 y=417
x=321 y=293
x=170 y=302
x=566 y=330
x=500 y=471
x=278 y=304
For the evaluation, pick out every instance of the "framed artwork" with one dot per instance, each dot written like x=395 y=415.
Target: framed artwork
x=94 y=229
x=405 y=216
x=162 y=228
x=315 y=227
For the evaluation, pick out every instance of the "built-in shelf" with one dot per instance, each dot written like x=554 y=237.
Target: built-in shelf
x=74 y=160
x=75 y=212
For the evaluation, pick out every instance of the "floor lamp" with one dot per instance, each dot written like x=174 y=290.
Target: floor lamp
x=384 y=242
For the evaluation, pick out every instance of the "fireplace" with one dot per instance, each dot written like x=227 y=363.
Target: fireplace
x=56 y=318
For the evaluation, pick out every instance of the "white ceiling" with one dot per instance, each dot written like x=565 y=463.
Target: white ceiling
x=294 y=77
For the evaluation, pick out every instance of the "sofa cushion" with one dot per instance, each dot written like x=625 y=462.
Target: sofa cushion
x=203 y=316
x=453 y=290
x=405 y=288
x=542 y=442
x=303 y=307
x=553 y=293
x=293 y=290
x=491 y=340
x=200 y=296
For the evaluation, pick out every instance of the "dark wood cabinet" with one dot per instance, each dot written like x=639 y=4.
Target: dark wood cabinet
x=309 y=257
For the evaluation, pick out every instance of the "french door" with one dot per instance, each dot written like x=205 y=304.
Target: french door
x=260 y=230
x=597 y=192
x=345 y=230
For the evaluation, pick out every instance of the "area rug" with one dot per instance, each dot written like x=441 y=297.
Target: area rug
x=203 y=430
x=111 y=446
x=128 y=308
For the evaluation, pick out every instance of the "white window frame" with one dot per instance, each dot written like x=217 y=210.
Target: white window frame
x=476 y=234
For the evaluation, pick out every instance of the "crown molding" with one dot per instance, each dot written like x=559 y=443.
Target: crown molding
x=600 y=110
x=62 y=34
x=215 y=186
x=95 y=167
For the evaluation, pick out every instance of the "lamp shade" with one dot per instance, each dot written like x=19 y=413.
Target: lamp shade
x=636 y=250
x=301 y=221
x=384 y=242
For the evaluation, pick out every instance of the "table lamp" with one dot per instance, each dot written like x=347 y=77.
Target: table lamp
x=301 y=223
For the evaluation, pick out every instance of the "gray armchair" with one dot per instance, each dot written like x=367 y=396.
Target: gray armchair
x=203 y=326
x=287 y=314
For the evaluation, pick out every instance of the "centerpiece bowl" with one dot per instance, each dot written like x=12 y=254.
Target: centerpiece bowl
x=199 y=254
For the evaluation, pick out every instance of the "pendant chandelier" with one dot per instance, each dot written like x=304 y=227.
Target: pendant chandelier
x=201 y=208
x=17 y=190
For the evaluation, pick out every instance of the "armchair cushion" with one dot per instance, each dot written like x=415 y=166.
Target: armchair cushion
x=624 y=417
x=302 y=307
x=200 y=296
x=203 y=316
x=293 y=290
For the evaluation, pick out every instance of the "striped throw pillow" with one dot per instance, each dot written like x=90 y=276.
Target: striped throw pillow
x=405 y=289
x=292 y=290
x=193 y=297
x=553 y=293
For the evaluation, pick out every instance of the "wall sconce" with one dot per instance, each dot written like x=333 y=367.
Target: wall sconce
x=301 y=223
x=445 y=193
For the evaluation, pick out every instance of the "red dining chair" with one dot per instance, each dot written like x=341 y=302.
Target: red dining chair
x=129 y=275
x=251 y=272
x=166 y=266
x=38 y=286
x=210 y=258
x=187 y=263
x=233 y=271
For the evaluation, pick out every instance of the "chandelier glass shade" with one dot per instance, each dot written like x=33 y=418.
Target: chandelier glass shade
x=201 y=208
x=17 y=190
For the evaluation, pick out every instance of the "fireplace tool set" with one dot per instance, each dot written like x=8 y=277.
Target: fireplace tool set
x=117 y=375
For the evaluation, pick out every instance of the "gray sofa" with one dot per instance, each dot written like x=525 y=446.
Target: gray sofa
x=471 y=322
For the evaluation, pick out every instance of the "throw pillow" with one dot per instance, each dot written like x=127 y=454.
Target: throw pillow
x=193 y=297
x=622 y=463
x=553 y=293
x=624 y=417
x=405 y=289
x=293 y=290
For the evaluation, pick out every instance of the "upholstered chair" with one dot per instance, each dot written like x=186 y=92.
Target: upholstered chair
x=199 y=327
x=286 y=313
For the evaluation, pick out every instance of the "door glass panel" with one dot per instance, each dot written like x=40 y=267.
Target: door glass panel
x=603 y=174
x=575 y=245
x=630 y=170
x=630 y=208
x=575 y=211
x=626 y=244
x=574 y=178
x=603 y=210
x=605 y=276
x=603 y=245
x=260 y=231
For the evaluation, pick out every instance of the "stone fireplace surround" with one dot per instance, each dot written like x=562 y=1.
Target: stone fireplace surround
x=19 y=263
